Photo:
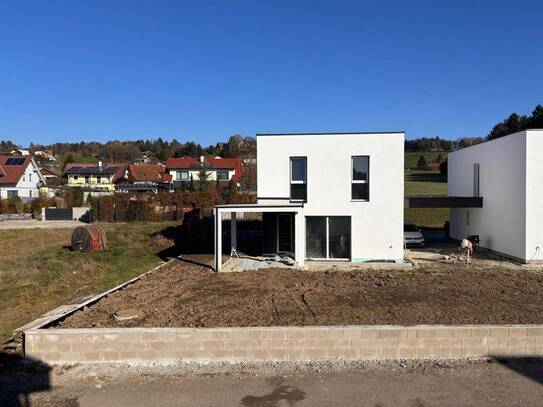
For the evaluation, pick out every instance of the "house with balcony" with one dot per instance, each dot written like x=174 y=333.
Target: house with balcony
x=187 y=170
x=20 y=176
x=325 y=197
x=94 y=177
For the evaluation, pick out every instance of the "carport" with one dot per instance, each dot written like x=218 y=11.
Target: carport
x=443 y=202
x=295 y=209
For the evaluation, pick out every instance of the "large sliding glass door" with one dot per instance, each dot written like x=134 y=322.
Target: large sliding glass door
x=315 y=241
x=328 y=237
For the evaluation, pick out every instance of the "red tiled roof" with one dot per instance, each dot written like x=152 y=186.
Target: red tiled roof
x=146 y=172
x=49 y=171
x=11 y=174
x=186 y=163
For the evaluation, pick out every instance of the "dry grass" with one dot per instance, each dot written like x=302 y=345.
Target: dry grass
x=38 y=273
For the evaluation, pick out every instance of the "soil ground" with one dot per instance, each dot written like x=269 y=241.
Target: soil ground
x=185 y=294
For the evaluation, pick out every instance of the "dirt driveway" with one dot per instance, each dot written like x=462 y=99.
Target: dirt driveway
x=38 y=224
x=182 y=294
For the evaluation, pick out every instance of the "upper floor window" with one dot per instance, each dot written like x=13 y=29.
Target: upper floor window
x=98 y=179
x=183 y=175
x=87 y=179
x=222 y=175
x=360 y=182
x=298 y=179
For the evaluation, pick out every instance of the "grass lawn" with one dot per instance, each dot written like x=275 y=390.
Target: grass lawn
x=38 y=274
x=427 y=183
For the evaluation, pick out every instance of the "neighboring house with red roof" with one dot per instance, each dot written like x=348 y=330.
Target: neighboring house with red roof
x=186 y=169
x=50 y=173
x=144 y=178
x=19 y=176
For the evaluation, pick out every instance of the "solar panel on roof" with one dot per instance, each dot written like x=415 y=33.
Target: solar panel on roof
x=15 y=161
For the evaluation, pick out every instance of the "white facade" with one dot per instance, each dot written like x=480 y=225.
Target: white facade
x=510 y=170
x=376 y=224
x=27 y=187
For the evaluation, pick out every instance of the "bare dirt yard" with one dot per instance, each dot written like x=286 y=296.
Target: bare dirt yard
x=184 y=294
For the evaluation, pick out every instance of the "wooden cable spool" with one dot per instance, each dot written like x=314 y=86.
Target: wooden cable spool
x=91 y=238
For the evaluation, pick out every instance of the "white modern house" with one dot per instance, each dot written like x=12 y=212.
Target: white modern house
x=327 y=197
x=20 y=176
x=507 y=173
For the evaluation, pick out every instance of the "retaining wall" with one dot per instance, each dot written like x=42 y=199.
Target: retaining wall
x=282 y=343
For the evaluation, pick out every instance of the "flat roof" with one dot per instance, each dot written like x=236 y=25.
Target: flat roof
x=329 y=133
x=484 y=142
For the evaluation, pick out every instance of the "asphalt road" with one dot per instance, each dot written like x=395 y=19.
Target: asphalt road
x=517 y=383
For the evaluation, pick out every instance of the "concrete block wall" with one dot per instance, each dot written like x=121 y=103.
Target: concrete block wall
x=281 y=343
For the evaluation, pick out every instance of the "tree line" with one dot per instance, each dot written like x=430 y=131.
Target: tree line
x=123 y=151
x=237 y=145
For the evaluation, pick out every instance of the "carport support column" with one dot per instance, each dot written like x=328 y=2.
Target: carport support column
x=218 y=240
x=233 y=232
x=299 y=238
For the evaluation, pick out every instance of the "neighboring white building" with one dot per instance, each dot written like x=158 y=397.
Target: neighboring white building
x=507 y=173
x=20 y=152
x=327 y=197
x=19 y=176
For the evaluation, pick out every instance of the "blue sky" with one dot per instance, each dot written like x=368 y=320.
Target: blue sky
x=79 y=70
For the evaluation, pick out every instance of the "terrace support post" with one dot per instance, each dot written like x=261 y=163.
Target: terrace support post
x=299 y=238
x=233 y=233
x=218 y=240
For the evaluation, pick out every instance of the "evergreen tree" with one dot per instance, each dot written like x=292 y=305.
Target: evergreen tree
x=203 y=178
x=421 y=163
x=191 y=184
x=232 y=192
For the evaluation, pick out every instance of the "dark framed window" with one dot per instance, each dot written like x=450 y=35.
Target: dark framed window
x=222 y=175
x=183 y=175
x=360 y=178
x=298 y=179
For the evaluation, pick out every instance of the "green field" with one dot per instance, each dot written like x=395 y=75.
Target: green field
x=38 y=272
